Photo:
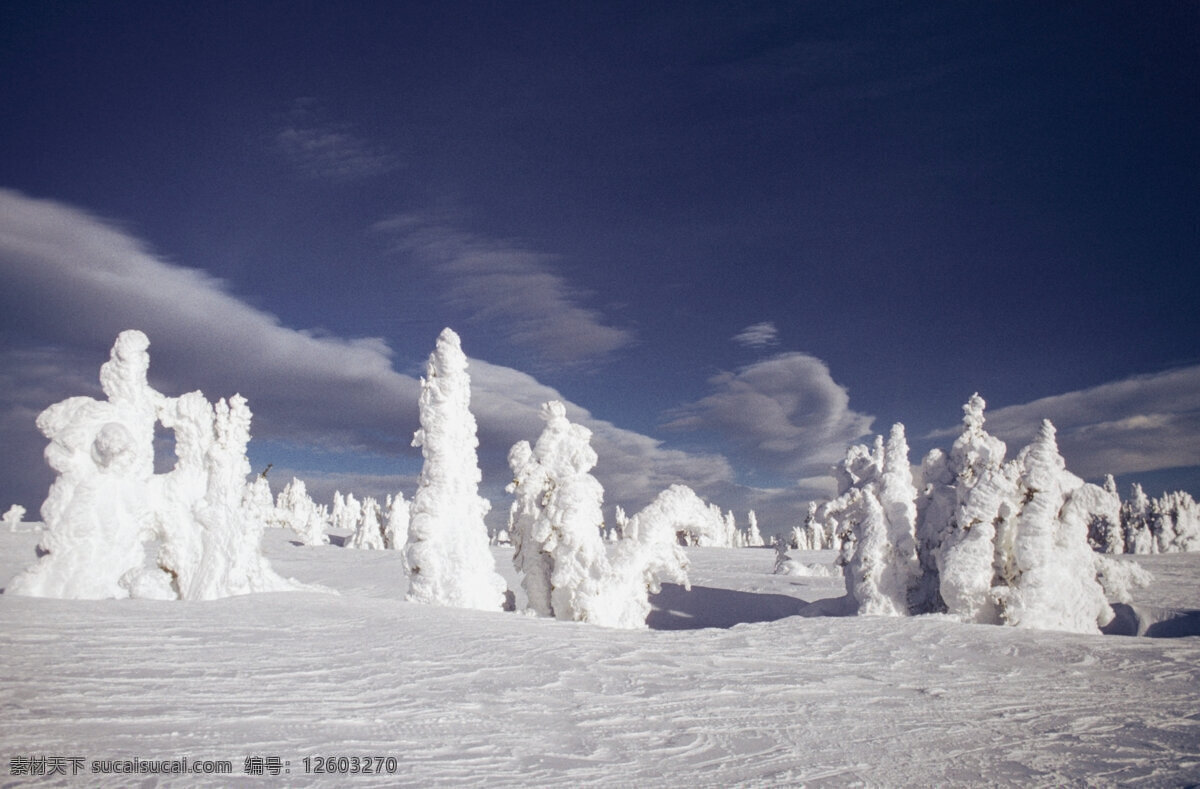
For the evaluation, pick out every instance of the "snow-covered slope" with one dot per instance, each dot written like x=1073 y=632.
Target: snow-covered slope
x=772 y=689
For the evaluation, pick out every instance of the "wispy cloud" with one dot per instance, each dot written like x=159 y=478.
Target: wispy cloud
x=760 y=335
x=75 y=282
x=516 y=289
x=785 y=413
x=324 y=150
x=1139 y=424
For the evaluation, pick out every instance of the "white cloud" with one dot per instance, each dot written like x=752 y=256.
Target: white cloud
x=785 y=413
x=515 y=288
x=319 y=149
x=1139 y=424
x=76 y=282
x=760 y=335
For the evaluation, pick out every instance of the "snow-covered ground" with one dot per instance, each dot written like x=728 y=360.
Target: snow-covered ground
x=749 y=679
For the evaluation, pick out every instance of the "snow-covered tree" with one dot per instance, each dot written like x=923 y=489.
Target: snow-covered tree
x=368 y=532
x=346 y=512
x=566 y=526
x=1055 y=587
x=620 y=519
x=897 y=497
x=211 y=524
x=1184 y=515
x=754 y=538
x=449 y=559
x=1135 y=513
x=98 y=512
x=296 y=510
x=875 y=512
x=107 y=504
x=395 y=530
x=12 y=517
x=1104 y=529
x=528 y=531
x=1100 y=508
x=555 y=526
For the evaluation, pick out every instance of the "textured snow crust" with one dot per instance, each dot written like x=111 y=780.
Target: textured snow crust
x=748 y=679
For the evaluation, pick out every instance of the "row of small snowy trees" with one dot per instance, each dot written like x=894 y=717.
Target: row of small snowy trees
x=986 y=539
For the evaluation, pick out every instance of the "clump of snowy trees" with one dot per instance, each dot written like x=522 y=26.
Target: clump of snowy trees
x=1168 y=524
x=983 y=538
x=555 y=526
x=106 y=506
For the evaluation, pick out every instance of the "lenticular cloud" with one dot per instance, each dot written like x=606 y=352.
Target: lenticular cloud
x=107 y=504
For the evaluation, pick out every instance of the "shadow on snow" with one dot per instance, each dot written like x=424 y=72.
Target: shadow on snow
x=675 y=608
x=1133 y=620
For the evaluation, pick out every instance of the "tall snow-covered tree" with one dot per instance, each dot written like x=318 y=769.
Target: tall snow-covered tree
x=1055 y=587
x=877 y=510
x=449 y=560
x=898 y=498
x=754 y=538
x=395 y=530
x=528 y=531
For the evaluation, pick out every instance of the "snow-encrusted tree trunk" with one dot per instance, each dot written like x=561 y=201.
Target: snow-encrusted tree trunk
x=1055 y=587
x=449 y=559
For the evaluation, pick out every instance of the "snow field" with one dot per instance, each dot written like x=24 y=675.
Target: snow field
x=779 y=693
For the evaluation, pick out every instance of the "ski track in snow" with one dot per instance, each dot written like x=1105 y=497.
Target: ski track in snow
x=469 y=698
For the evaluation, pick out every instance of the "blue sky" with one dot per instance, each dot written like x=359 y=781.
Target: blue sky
x=735 y=237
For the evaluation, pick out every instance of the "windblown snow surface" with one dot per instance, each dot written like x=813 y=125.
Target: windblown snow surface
x=748 y=679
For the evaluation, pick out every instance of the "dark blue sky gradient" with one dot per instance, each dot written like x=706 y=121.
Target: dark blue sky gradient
x=934 y=199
